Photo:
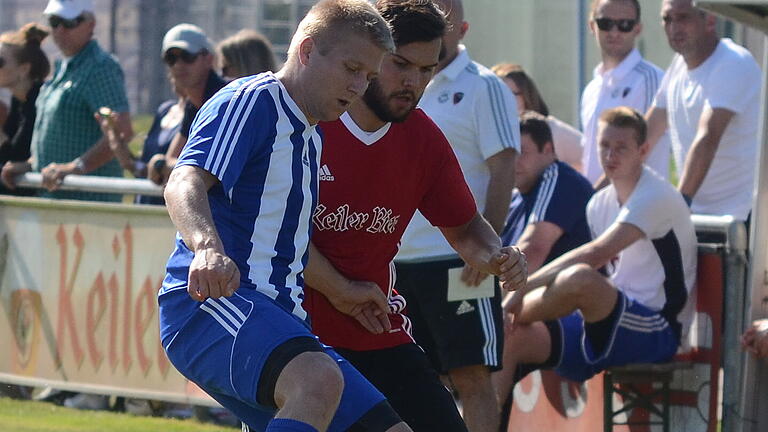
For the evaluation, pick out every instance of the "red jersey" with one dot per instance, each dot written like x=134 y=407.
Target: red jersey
x=371 y=184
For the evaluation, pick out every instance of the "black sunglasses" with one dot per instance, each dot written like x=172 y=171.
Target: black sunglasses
x=624 y=25
x=170 y=58
x=56 y=21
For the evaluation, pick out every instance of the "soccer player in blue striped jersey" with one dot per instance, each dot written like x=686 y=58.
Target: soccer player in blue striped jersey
x=241 y=196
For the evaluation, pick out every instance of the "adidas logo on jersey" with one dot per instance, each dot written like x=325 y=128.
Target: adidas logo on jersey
x=464 y=307
x=325 y=174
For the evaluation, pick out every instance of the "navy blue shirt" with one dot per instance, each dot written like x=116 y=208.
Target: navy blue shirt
x=560 y=197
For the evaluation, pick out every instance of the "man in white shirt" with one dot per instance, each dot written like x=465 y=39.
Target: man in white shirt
x=477 y=113
x=572 y=318
x=623 y=78
x=709 y=101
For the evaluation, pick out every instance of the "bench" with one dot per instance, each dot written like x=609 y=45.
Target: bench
x=631 y=382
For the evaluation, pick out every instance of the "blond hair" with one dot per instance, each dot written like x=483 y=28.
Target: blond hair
x=626 y=117
x=330 y=20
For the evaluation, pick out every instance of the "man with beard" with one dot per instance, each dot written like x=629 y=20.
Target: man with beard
x=383 y=160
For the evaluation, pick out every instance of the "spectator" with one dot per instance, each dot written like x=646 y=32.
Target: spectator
x=623 y=78
x=245 y=53
x=23 y=68
x=570 y=316
x=483 y=132
x=566 y=138
x=165 y=127
x=66 y=137
x=188 y=53
x=713 y=127
x=547 y=217
x=755 y=339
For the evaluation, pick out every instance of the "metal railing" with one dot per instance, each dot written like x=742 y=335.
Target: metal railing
x=83 y=183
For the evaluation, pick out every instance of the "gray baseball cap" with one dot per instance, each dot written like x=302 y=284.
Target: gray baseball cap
x=188 y=37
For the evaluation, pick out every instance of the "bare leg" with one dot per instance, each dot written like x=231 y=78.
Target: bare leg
x=309 y=389
x=529 y=343
x=577 y=287
x=478 y=398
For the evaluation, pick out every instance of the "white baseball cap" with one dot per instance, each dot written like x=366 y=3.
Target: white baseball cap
x=188 y=37
x=68 y=9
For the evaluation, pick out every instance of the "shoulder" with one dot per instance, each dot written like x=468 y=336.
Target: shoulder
x=647 y=68
x=422 y=130
x=483 y=78
x=735 y=59
x=654 y=192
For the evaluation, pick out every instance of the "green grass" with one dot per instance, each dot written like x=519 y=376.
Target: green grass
x=26 y=416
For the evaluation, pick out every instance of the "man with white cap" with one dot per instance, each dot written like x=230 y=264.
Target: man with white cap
x=188 y=53
x=67 y=138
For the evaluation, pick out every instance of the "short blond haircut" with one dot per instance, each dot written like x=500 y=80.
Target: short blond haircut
x=626 y=117
x=331 y=20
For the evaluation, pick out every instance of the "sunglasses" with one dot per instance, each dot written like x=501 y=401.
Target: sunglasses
x=170 y=58
x=607 y=24
x=56 y=21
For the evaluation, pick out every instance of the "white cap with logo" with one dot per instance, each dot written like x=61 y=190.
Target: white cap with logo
x=68 y=9
x=188 y=37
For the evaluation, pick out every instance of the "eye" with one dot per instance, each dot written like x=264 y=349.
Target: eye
x=351 y=68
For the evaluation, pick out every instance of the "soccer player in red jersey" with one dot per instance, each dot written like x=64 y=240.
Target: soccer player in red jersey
x=383 y=160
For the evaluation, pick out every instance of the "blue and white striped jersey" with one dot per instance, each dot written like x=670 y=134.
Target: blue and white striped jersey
x=254 y=138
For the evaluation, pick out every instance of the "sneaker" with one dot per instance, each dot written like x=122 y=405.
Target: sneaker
x=87 y=402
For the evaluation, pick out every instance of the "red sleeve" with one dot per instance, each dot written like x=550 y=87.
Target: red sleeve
x=447 y=201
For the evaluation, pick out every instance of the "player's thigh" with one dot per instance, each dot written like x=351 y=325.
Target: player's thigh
x=411 y=385
x=362 y=408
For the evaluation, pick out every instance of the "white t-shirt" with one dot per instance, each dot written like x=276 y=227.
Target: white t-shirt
x=632 y=83
x=658 y=270
x=478 y=114
x=729 y=79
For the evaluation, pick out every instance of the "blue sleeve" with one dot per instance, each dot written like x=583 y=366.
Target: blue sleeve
x=232 y=128
x=566 y=204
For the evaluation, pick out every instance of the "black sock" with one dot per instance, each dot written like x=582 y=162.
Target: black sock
x=599 y=332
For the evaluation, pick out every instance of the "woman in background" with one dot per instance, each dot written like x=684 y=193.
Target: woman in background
x=245 y=53
x=567 y=139
x=23 y=68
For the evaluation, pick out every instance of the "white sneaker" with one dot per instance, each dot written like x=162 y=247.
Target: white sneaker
x=87 y=402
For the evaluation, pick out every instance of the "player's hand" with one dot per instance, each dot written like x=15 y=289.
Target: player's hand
x=212 y=274
x=511 y=267
x=472 y=277
x=365 y=302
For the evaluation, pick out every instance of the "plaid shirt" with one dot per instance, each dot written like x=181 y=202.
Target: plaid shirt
x=65 y=127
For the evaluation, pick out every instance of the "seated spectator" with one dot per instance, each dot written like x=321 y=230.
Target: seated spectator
x=66 y=137
x=188 y=53
x=566 y=138
x=547 y=215
x=755 y=339
x=570 y=316
x=23 y=68
x=165 y=127
x=245 y=53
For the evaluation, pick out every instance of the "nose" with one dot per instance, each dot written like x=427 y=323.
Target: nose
x=359 y=84
x=410 y=78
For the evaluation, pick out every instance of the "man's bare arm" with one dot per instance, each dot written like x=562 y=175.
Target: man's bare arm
x=712 y=125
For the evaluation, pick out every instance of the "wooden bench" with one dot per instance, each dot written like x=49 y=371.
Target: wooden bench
x=628 y=381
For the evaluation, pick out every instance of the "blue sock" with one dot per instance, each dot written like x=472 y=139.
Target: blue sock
x=288 y=425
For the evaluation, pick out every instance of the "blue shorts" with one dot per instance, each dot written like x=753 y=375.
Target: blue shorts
x=225 y=346
x=638 y=335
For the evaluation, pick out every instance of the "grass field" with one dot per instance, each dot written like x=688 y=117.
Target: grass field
x=25 y=416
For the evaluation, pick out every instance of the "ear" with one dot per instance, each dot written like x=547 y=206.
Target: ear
x=710 y=22
x=306 y=47
x=644 y=150
x=591 y=24
x=638 y=28
x=548 y=148
x=25 y=68
x=464 y=29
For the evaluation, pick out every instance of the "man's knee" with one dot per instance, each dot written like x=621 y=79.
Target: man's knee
x=312 y=377
x=580 y=282
x=529 y=343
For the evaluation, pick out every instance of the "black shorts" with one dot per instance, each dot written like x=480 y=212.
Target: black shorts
x=412 y=386
x=454 y=334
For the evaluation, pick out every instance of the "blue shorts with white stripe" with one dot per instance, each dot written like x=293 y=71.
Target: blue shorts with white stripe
x=638 y=335
x=225 y=346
